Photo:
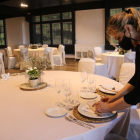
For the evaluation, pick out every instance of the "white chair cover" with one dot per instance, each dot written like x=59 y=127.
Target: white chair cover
x=24 y=53
x=2 y=69
x=98 y=53
x=134 y=129
x=44 y=46
x=130 y=57
x=90 y=54
x=126 y=72
x=21 y=46
x=11 y=60
x=48 y=53
x=63 y=55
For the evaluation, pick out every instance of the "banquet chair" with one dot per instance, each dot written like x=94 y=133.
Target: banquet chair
x=11 y=59
x=44 y=46
x=98 y=54
x=100 y=68
x=48 y=53
x=24 y=55
x=130 y=57
x=21 y=46
x=112 y=136
x=2 y=69
x=61 y=51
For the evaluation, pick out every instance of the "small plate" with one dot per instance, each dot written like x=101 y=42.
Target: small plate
x=92 y=115
x=110 y=88
x=106 y=91
x=88 y=95
x=56 y=112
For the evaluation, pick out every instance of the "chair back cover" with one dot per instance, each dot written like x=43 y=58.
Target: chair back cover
x=24 y=53
x=98 y=52
x=129 y=57
x=63 y=54
x=126 y=72
x=9 y=51
x=21 y=46
x=2 y=69
x=90 y=54
x=48 y=53
x=60 y=47
x=44 y=46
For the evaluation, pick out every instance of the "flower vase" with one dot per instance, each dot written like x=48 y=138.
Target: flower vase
x=33 y=83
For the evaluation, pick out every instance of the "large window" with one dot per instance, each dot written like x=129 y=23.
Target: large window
x=2 y=34
x=53 y=29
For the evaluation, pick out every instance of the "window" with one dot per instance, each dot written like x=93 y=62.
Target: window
x=2 y=34
x=113 y=12
x=53 y=29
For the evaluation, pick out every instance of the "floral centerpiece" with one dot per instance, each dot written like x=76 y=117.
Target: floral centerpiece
x=33 y=46
x=34 y=67
x=122 y=51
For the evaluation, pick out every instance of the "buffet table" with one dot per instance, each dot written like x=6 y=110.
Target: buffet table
x=33 y=52
x=22 y=115
x=114 y=62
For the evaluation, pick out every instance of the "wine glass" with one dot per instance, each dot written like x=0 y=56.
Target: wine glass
x=58 y=86
x=90 y=79
x=83 y=78
x=67 y=92
x=74 y=97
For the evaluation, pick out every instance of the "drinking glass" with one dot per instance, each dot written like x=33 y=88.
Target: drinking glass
x=74 y=97
x=67 y=92
x=83 y=78
x=58 y=86
x=90 y=79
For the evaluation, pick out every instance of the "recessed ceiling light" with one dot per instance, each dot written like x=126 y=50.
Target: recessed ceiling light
x=24 y=5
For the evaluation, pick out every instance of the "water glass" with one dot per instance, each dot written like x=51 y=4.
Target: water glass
x=83 y=78
x=74 y=99
x=91 y=79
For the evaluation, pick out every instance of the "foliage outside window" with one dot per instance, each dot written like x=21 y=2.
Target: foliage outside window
x=2 y=34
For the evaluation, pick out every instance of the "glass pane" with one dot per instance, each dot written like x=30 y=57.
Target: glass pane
x=1 y=29
x=67 y=32
x=36 y=18
x=51 y=17
x=3 y=42
x=56 y=33
x=36 y=34
x=2 y=35
x=67 y=15
x=115 y=11
x=1 y=22
x=46 y=33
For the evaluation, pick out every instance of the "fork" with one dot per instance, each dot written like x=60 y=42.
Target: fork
x=70 y=120
x=74 y=119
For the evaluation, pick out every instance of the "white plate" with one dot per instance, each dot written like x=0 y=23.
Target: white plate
x=88 y=95
x=106 y=91
x=92 y=115
x=56 y=112
x=109 y=88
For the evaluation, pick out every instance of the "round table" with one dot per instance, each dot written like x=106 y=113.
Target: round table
x=33 y=52
x=22 y=113
x=114 y=62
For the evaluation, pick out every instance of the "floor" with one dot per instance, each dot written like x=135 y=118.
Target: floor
x=71 y=65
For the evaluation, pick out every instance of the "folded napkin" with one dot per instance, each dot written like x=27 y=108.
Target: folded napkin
x=90 y=103
x=111 y=88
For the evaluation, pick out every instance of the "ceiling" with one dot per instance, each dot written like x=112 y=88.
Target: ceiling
x=33 y=4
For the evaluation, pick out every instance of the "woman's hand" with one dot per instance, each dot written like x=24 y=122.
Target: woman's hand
x=109 y=99
x=102 y=107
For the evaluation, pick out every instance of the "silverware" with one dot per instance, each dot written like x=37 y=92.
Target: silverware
x=70 y=120
x=74 y=119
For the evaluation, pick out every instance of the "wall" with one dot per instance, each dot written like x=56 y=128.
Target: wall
x=17 y=31
x=90 y=26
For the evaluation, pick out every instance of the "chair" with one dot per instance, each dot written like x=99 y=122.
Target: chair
x=2 y=69
x=11 y=60
x=44 y=46
x=48 y=53
x=100 y=68
x=130 y=57
x=61 y=50
x=21 y=46
x=97 y=53
x=126 y=72
x=24 y=55
x=112 y=136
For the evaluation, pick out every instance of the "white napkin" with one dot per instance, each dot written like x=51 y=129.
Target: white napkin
x=111 y=88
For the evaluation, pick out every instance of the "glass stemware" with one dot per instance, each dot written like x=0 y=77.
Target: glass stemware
x=83 y=78
x=74 y=97
x=91 y=80
x=58 y=86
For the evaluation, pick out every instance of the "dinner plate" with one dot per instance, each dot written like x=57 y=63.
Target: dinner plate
x=106 y=91
x=56 y=112
x=110 y=88
x=88 y=95
x=92 y=115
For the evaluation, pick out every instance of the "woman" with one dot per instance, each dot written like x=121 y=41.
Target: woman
x=124 y=27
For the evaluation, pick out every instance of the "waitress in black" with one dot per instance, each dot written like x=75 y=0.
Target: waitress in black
x=125 y=28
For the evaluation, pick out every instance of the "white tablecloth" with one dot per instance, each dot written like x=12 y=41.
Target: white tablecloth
x=114 y=62
x=33 y=52
x=22 y=113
